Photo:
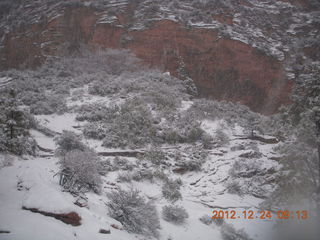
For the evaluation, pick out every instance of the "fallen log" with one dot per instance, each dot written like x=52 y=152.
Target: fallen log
x=271 y=140
x=121 y=154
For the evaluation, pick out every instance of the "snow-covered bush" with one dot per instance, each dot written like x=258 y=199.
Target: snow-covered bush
x=155 y=155
x=79 y=171
x=234 y=187
x=207 y=141
x=122 y=163
x=192 y=159
x=143 y=174
x=185 y=128
x=174 y=214
x=54 y=103
x=105 y=166
x=221 y=137
x=232 y=113
x=131 y=126
x=96 y=112
x=135 y=214
x=228 y=232
x=6 y=160
x=94 y=130
x=245 y=168
x=124 y=177
x=15 y=123
x=171 y=190
x=206 y=219
x=104 y=86
x=67 y=142
x=161 y=175
x=20 y=145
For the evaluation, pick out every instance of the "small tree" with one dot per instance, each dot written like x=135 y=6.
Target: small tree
x=14 y=120
x=15 y=125
x=306 y=109
x=183 y=75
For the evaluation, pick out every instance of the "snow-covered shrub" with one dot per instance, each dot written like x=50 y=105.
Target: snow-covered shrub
x=228 y=232
x=124 y=177
x=171 y=190
x=206 y=219
x=207 y=141
x=174 y=214
x=135 y=214
x=143 y=174
x=21 y=145
x=105 y=166
x=221 y=138
x=15 y=123
x=104 y=86
x=155 y=155
x=192 y=159
x=218 y=221
x=6 y=160
x=67 y=142
x=95 y=112
x=234 y=187
x=232 y=113
x=54 y=103
x=131 y=126
x=245 y=168
x=122 y=163
x=184 y=129
x=160 y=174
x=172 y=136
x=94 y=130
x=79 y=171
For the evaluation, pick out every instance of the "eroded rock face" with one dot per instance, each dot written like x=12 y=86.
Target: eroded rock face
x=222 y=67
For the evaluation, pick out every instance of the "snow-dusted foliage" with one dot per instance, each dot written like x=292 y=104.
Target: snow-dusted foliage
x=155 y=155
x=171 y=190
x=134 y=212
x=174 y=214
x=183 y=128
x=15 y=123
x=221 y=137
x=79 y=165
x=79 y=171
x=228 y=232
x=69 y=141
x=159 y=90
x=191 y=159
x=130 y=125
x=300 y=179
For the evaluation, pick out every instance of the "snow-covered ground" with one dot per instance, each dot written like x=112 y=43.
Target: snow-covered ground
x=32 y=182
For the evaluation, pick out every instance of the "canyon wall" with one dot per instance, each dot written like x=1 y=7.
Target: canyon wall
x=222 y=68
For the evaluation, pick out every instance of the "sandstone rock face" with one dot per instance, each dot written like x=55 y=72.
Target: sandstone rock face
x=232 y=66
x=71 y=218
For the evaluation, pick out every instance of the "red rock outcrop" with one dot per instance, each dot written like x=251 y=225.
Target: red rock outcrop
x=222 y=68
x=71 y=218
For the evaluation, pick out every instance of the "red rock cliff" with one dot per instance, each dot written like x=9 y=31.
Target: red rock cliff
x=222 y=68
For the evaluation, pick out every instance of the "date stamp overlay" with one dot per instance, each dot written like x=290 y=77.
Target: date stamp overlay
x=260 y=214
